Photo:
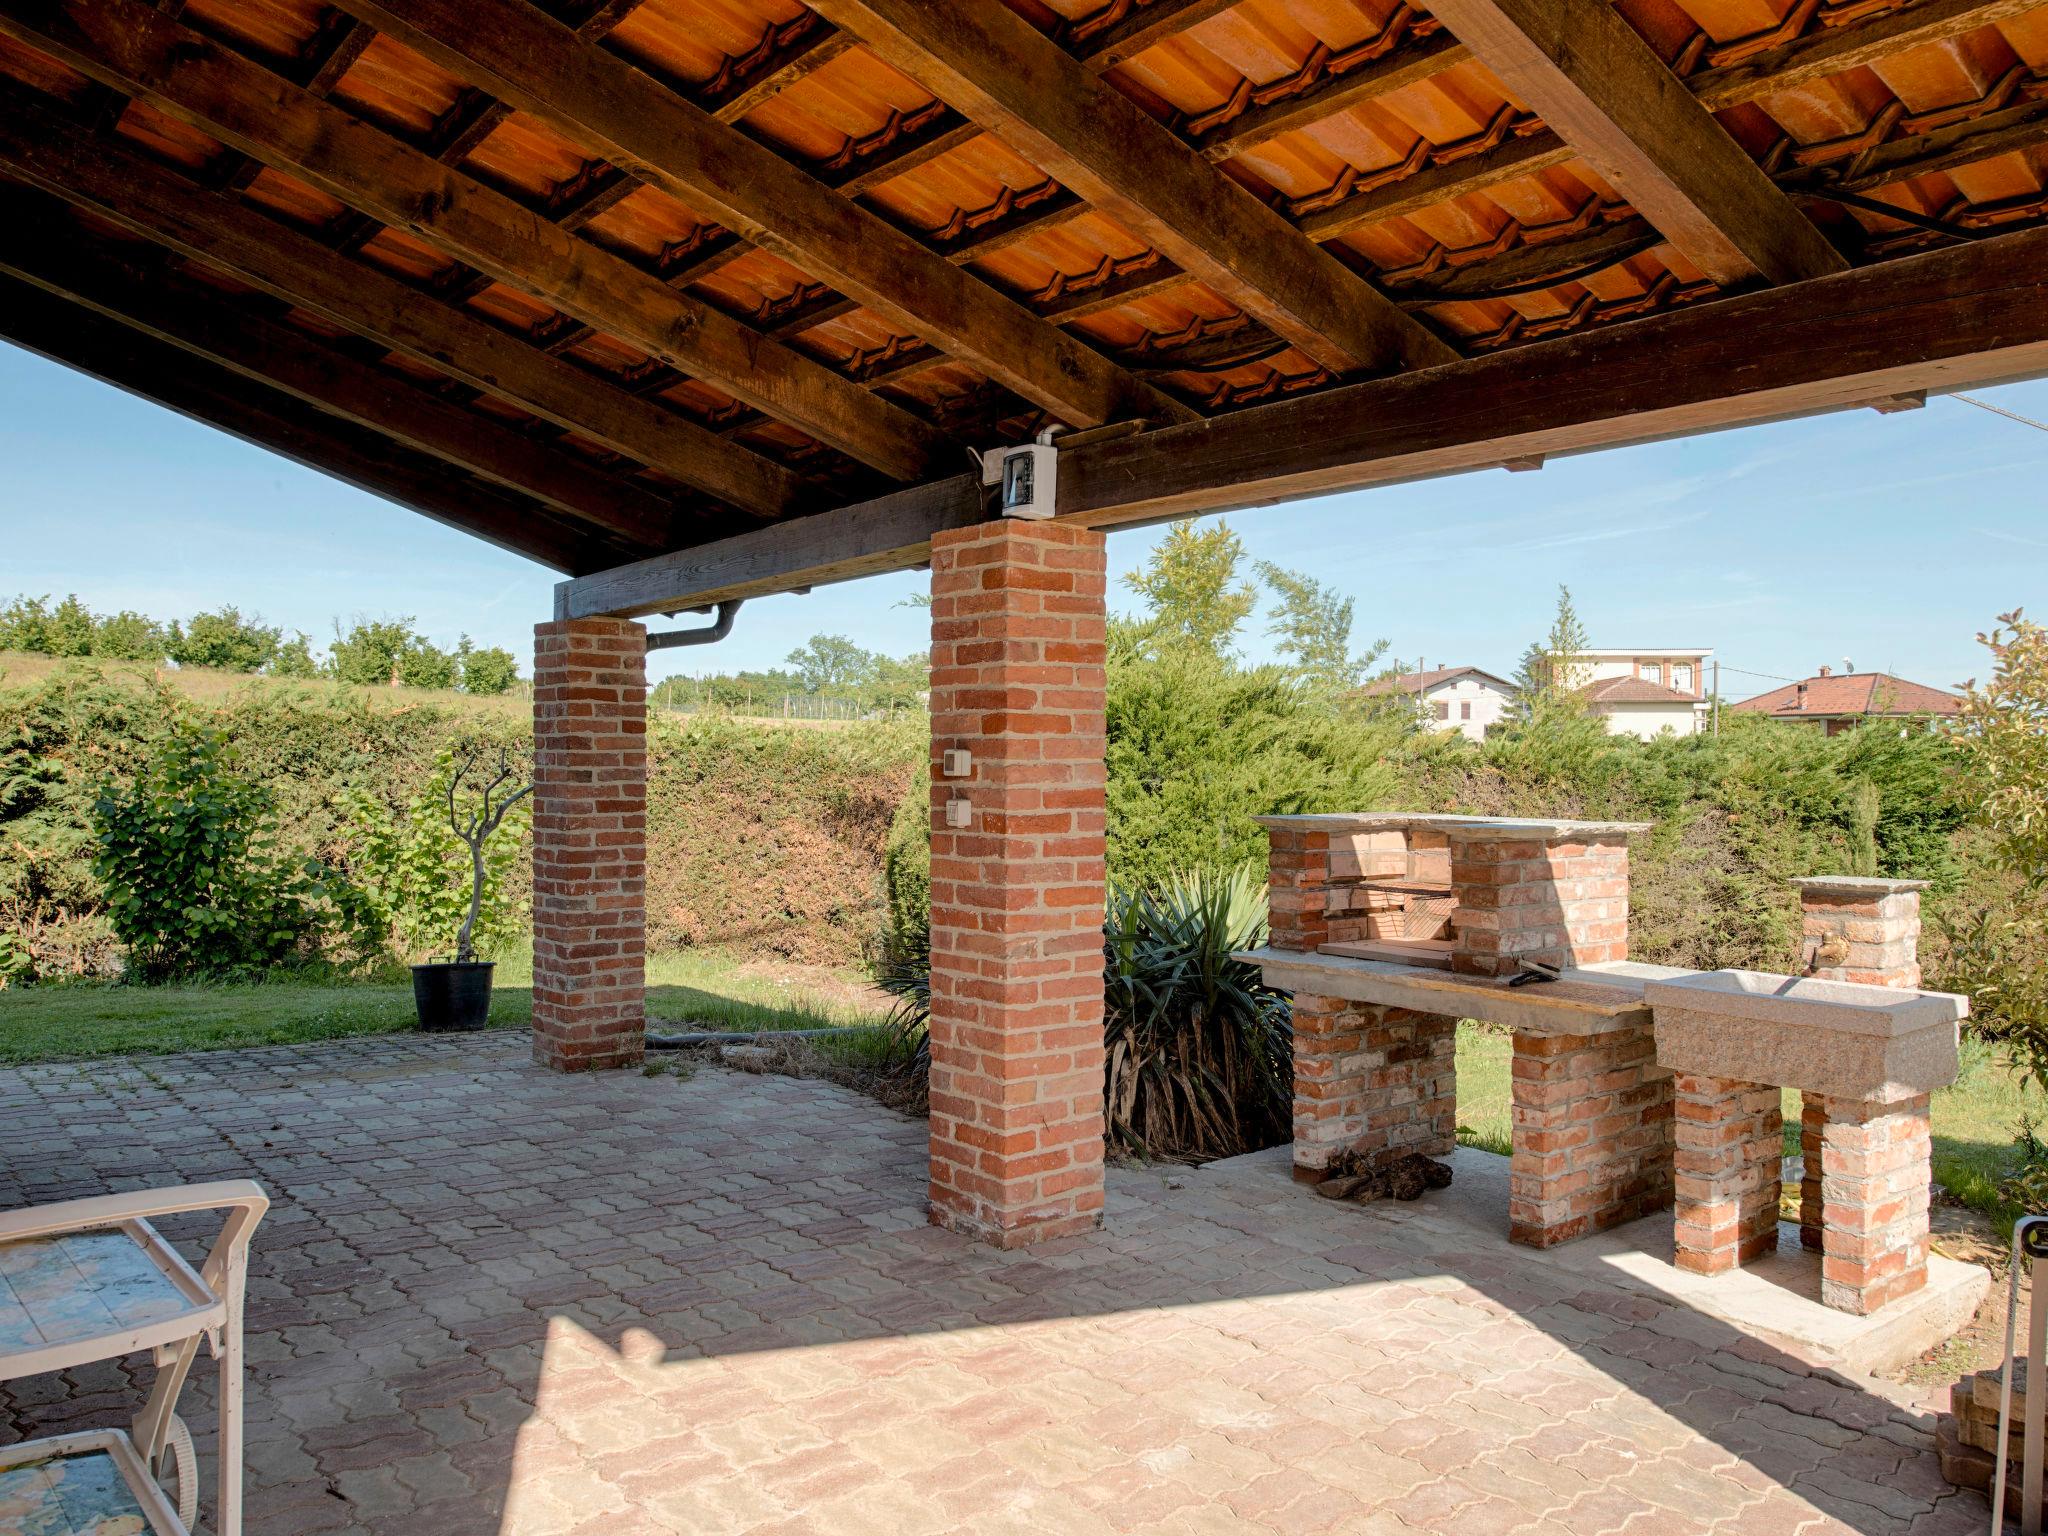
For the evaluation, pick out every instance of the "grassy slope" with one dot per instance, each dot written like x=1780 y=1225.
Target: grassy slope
x=695 y=989
x=1974 y=1121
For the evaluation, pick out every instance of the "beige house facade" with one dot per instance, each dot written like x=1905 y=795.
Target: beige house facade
x=1644 y=692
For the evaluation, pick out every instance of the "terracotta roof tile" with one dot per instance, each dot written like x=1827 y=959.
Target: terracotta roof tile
x=1632 y=690
x=1852 y=693
x=1418 y=682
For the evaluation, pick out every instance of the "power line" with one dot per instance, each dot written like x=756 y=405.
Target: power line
x=1770 y=675
x=1999 y=410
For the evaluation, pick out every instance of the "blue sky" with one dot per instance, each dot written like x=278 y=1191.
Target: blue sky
x=1887 y=539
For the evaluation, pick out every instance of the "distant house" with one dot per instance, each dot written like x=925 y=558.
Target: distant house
x=1645 y=692
x=1841 y=701
x=1461 y=699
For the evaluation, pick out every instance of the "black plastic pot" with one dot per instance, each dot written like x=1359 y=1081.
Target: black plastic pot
x=452 y=996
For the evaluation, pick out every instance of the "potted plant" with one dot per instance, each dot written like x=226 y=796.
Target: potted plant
x=456 y=993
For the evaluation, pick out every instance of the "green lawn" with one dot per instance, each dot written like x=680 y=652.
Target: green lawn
x=1973 y=1121
x=696 y=989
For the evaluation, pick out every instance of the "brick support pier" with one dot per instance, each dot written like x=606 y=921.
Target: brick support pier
x=1874 y=1201
x=1729 y=1154
x=1851 y=929
x=1591 y=1137
x=1017 y=893
x=589 y=843
x=1371 y=1081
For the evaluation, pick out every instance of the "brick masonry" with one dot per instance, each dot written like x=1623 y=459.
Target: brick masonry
x=1563 y=902
x=1017 y=895
x=1868 y=932
x=1298 y=888
x=1592 y=1134
x=589 y=843
x=1728 y=1157
x=1874 y=1202
x=1372 y=1082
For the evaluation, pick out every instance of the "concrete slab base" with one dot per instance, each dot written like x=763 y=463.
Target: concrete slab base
x=1776 y=1299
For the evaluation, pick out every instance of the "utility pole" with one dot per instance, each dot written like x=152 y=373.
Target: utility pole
x=1717 y=698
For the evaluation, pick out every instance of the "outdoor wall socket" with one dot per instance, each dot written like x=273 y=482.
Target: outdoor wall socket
x=959 y=813
x=956 y=762
x=1028 y=474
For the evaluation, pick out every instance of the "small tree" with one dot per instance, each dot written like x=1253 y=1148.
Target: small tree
x=368 y=654
x=224 y=640
x=422 y=664
x=1548 y=682
x=1190 y=584
x=1312 y=627
x=832 y=664
x=486 y=669
x=129 y=636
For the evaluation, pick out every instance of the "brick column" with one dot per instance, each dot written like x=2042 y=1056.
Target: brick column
x=1017 y=895
x=1562 y=899
x=589 y=843
x=1371 y=1081
x=1874 y=1162
x=1297 y=886
x=1728 y=1155
x=1591 y=1133
x=1852 y=928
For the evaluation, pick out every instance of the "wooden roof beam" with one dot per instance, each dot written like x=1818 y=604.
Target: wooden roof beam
x=994 y=67
x=1602 y=89
x=127 y=44
x=50 y=251
x=1123 y=29
x=205 y=392
x=518 y=54
x=119 y=182
x=1966 y=316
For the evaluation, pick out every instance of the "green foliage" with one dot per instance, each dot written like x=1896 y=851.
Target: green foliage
x=369 y=654
x=1547 y=683
x=1199 y=1050
x=294 y=658
x=1311 y=624
x=1191 y=585
x=415 y=873
x=907 y=877
x=225 y=641
x=830 y=664
x=486 y=669
x=196 y=880
x=70 y=629
x=129 y=636
x=422 y=664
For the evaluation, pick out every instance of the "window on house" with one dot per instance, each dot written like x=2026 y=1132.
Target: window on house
x=1681 y=677
x=1443 y=709
x=1650 y=672
x=1465 y=710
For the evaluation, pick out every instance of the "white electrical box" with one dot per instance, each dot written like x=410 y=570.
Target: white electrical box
x=956 y=762
x=1029 y=477
x=959 y=813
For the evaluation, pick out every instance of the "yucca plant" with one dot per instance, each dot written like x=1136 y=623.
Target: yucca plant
x=1200 y=1054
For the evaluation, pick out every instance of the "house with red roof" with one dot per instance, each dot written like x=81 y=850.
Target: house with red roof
x=1462 y=699
x=1841 y=701
x=1643 y=691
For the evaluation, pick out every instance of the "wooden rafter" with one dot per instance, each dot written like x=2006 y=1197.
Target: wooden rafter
x=990 y=64
x=1967 y=316
x=1123 y=29
x=48 y=250
x=167 y=376
x=126 y=44
x=517 y=54
x=1602 y=90
x=120 y=183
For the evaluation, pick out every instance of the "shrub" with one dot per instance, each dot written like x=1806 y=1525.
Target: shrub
x=195 y=879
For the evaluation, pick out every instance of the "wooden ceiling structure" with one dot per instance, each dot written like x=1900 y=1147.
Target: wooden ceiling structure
x=696 y=299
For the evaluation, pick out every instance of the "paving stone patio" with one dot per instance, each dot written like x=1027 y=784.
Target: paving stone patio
x=493 y=1300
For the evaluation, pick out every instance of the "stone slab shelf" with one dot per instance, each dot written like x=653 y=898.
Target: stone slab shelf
x=1838 y=1038
x=1594 y=1000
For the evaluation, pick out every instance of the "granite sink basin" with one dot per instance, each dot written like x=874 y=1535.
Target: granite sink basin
x=1839 y=1038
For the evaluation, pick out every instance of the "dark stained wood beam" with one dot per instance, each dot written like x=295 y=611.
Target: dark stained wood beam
x=1601 y=88
x=1123 y=29
x=994 y=67
x=473 y=118
x=334 y=52
x=41 y=246
x=174 y=379
x=39 y=143
x=1967 y=316
x=518 y=54
x=786 y=54
x=126 y=44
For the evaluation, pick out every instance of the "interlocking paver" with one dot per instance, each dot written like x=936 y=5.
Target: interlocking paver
x=492 y=1300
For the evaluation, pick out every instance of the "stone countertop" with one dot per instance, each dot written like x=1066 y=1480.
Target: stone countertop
x=1455 y=826
x=1591 y=1001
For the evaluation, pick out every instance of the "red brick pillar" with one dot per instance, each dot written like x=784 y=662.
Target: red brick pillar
x=1017 y=894
x=1371 y=1081
x=1591 y=1134
x=1297 y=884
x=1852 y=928
x=1728 y=1155
x=1559 y=897
x=1874 y=1162
x=589 y=843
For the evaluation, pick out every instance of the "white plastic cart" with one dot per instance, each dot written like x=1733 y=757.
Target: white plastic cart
x=92 y=1280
